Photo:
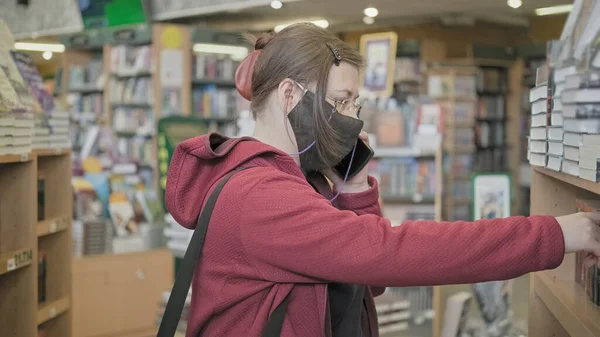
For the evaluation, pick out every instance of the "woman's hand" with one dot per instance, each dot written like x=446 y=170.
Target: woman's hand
x=582 y=233
x=358 y=183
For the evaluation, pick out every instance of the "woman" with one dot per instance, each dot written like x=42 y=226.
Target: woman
x=279 y=233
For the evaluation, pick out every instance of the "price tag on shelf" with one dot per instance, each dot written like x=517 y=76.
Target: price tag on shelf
x=23 y=258
x=24 y=156
x=52 y=312
x=52 y=227
x=58 y=151
x=10 y=264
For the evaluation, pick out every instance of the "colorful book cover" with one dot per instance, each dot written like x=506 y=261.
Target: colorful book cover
x=34 y=81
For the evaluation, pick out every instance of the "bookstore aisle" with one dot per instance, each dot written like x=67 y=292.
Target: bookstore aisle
x=466 y=122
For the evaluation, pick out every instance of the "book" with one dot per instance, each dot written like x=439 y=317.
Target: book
x=587 y=277
x=582 y=125
x=538 y=159
x=538 y=133
x=538 y=93
x=571 y=153
x=455 y=316
x=581 y=96
x=591 y=175
x=214 y=66
x=538 y=146
x=570 y=167
x=554 y=163
x=555 y=133
x=555 y=148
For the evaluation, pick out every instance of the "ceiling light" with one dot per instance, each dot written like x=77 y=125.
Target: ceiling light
x=237 y=53
x=368 y=20
x=514 y=3
x=53 y=47
x=371 y=12
x=47 y=55
x=276 y=4
x=319 y=23
x=553 y=10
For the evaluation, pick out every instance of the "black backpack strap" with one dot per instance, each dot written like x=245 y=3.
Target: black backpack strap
x=177 y=298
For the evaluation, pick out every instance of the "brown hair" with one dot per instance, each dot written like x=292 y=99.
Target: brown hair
x=302 y=52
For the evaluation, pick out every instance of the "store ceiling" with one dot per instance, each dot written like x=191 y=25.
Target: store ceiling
x=344 y=15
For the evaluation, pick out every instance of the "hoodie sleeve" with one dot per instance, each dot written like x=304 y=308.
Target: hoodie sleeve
x=293 y=234
x=366 y=202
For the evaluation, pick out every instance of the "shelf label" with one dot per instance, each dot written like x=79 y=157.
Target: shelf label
x=58 y=151
x=24 y=156
x=124 y=35
x=52 y=226
x=21 y=259
x=79 y=40
x=10 y=264
x=52 y=312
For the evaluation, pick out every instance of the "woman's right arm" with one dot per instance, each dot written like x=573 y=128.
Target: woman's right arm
x=293 y=234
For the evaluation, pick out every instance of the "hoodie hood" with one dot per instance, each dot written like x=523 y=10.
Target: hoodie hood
x=199 y=163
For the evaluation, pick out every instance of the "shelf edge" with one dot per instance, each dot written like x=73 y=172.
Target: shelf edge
x=569 y=179
x=50 y=310
x=12 y=261
x=568 y=304
x=53 y=225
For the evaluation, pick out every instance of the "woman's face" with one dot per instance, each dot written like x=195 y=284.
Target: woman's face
x=342 y=89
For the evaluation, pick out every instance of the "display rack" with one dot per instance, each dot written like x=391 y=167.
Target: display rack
x=558 y=305
x=459 y=108
x=30 y=231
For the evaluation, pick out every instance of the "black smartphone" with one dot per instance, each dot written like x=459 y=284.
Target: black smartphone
x=362 y=155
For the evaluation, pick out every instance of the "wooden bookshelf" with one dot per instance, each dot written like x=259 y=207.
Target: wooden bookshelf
x=558 y=305
x=23 y=238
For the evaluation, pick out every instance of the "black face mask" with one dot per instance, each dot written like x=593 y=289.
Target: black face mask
x=302 y=121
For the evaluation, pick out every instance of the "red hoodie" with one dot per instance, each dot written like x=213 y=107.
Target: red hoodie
x=271 y=232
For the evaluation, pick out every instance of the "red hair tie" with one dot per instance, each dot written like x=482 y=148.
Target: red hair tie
x=243 y=75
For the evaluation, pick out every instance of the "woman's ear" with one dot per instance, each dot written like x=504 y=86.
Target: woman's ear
x=289 y=94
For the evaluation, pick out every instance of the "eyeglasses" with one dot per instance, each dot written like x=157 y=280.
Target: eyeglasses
x=346 y=107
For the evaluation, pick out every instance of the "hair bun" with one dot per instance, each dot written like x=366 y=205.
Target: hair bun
x=243 y=75
x=262 y=40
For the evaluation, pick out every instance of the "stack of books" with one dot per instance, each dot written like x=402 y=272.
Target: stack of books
x=52 y=131
x=16 y=108
x=178 y=237
x=50 y=127
x=538 y=135
x=581 y=104
x=558 y=159
x=393 y=313
x=182 y=326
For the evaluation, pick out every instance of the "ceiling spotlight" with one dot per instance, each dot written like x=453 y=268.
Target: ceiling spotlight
x=47 y=55
x=371 y=12
x=368 y=20
x=276 y=4
x=514 y=3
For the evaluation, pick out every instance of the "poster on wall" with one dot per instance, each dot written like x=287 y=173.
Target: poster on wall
x=379 y=51
x=491 y=196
